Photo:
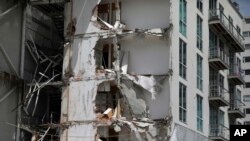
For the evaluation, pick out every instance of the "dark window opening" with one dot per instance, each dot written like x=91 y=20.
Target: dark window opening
x=247 y=85
x=247 y=72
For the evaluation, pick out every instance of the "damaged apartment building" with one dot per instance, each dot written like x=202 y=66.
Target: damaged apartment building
x=120 y=70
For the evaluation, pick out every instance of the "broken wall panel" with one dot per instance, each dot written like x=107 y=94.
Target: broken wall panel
x=145 y=55
x=145 y=14
x=83 y=62
x=159 y=108
x=82 y=12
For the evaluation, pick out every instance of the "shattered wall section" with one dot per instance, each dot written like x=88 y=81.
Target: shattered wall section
x=84 y=73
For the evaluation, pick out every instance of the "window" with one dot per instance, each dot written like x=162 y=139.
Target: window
x=107 y=12
x=183 y=17
x=212 y=4
x=247 y=46
x=247 y=111
x=247 y=59
x=199 y=73
x=246 y=98
x=200 y=5
x=246 y=34
x=182 y=59
x=199 y=113
x=247 y=123
x=182 y=103
x=247 y=85
x=199 y=33
x=238 y=99
x=221 y=117
x=247 y=72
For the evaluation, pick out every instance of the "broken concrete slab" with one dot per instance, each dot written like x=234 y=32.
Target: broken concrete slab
x=138 y=106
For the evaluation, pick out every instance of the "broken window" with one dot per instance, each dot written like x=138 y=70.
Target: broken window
x=107 y=97
x=104 y=56
x=107 y=12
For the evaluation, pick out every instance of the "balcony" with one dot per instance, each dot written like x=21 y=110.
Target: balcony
x=236 y=109
x=235 y=74
x=217 y=96
x=218 y=59
x=221 y=24
x=219 y=133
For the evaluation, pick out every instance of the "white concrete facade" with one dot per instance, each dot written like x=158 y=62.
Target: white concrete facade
x=246 y=66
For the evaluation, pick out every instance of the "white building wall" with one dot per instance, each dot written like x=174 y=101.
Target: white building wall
x=192 y=52
x=246 y=65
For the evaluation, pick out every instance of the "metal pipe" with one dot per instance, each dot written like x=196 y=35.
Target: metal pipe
x=7 y=11
x=7 y=94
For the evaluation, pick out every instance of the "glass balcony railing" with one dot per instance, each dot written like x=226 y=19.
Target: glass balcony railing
x=236 y=74
x=237 y=108
x=217 y=91
x=217 y=53
x=219 y=132
x=217 y=14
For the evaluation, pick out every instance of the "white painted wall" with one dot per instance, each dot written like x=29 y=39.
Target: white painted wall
x=145 y=14
x=246 y=27
x=146 y=56
x=192 y=51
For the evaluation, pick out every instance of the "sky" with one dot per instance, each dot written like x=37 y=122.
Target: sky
x=244 y=7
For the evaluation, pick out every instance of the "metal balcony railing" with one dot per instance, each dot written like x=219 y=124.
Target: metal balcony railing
x=219 y=131
x=216 y=52
x=236 y=104
x=218 y=91
x=218 y=14
x=235 y=70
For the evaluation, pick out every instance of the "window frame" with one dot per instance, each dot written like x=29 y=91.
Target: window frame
x=199 y=73
x=245 y=99
x=247 y=72
x=199 y=5
x=182 y=59
x=183 y=17
x=199 y=33
x=247 y=84
x=199 y=111
x=182 y=102
x=247 y=46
